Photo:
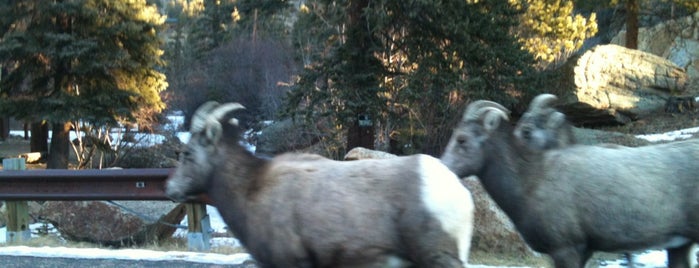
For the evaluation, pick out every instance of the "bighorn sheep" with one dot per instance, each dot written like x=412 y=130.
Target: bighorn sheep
x=572 y=201
x=543 y=127
x=303 y=210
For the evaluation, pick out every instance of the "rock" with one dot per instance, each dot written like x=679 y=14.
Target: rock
x=493 y=231
x=676 y=40
x=108 y=224
x=594 y=136
x=614 y=85
x=364 y=153
x=33 y=157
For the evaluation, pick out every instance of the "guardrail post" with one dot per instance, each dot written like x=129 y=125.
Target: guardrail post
x=199 y=226
x=17 y=211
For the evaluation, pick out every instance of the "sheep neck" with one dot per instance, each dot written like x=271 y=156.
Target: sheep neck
x=500 y=176
x=232 y=184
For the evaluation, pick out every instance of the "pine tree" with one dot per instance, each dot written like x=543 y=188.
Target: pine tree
x=408 y=66
x=550 y=30
x=90 y=60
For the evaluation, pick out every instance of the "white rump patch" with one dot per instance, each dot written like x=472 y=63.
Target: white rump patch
x=449 y=201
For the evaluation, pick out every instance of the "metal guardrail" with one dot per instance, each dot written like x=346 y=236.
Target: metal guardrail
x=18 y=186
x=105 y=184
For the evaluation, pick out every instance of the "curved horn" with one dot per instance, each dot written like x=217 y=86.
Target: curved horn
x=477 y=108
x=199 y=117
x=492 y=118
x=542 y=101
x=223 y=109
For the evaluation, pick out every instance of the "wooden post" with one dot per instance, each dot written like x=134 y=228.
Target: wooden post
x=17 y=211
x=199 y=226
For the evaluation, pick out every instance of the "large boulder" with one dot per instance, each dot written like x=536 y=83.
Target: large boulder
x=358 y=153
x=121 y=223
x=675 y=40
x=493 y=231
x=614 y=85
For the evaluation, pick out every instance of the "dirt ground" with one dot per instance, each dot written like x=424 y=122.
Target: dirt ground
x=659 y=123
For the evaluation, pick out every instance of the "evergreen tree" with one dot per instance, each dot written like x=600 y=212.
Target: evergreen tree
x=243 y=60
x=409 y=66
x=90 y=60
x=550 y=30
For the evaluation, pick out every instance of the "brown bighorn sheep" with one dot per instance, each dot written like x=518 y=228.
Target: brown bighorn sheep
x=572 y=201
x=303 y=210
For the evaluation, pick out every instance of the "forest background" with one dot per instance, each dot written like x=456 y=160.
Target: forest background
x=388 y=74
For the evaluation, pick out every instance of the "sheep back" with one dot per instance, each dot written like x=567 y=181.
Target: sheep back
x=639 y=187
x=309 y=207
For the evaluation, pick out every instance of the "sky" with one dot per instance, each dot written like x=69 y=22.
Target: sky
x=650 y=259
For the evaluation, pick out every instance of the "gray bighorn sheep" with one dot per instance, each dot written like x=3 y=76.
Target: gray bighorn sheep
x=543 y=127
x=572 y=201
x=303 y=210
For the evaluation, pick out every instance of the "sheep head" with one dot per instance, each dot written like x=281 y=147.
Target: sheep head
x=196 y=163
x=465 y=154
x=543 y=127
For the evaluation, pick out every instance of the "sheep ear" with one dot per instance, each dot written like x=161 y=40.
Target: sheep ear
x=213 y=132
x=556 y=120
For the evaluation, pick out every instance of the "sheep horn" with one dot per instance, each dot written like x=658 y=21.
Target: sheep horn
x=476 y=109
x=542 y=101
x=492 y=118
x=222 y=110
x=200 y=115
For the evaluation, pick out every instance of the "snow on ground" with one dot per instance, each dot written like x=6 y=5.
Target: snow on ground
x=670 y=136
x=217 y=225
x=125 y=254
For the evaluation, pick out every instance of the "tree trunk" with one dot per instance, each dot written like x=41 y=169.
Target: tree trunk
x=360 y=136
x=4 y=128
x=359 y=42
x=632 y=10
x=38 y=141
x=60 y=147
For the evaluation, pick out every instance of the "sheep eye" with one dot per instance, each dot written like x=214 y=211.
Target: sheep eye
x=461 y=140
x=186 y=155
x=526 y=133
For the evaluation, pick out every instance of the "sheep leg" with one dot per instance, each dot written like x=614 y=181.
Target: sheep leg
x=439 y=253
x=445 y=260
x=678 y=257
x=570 y=258
x=629 y=259
x=387 y=261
